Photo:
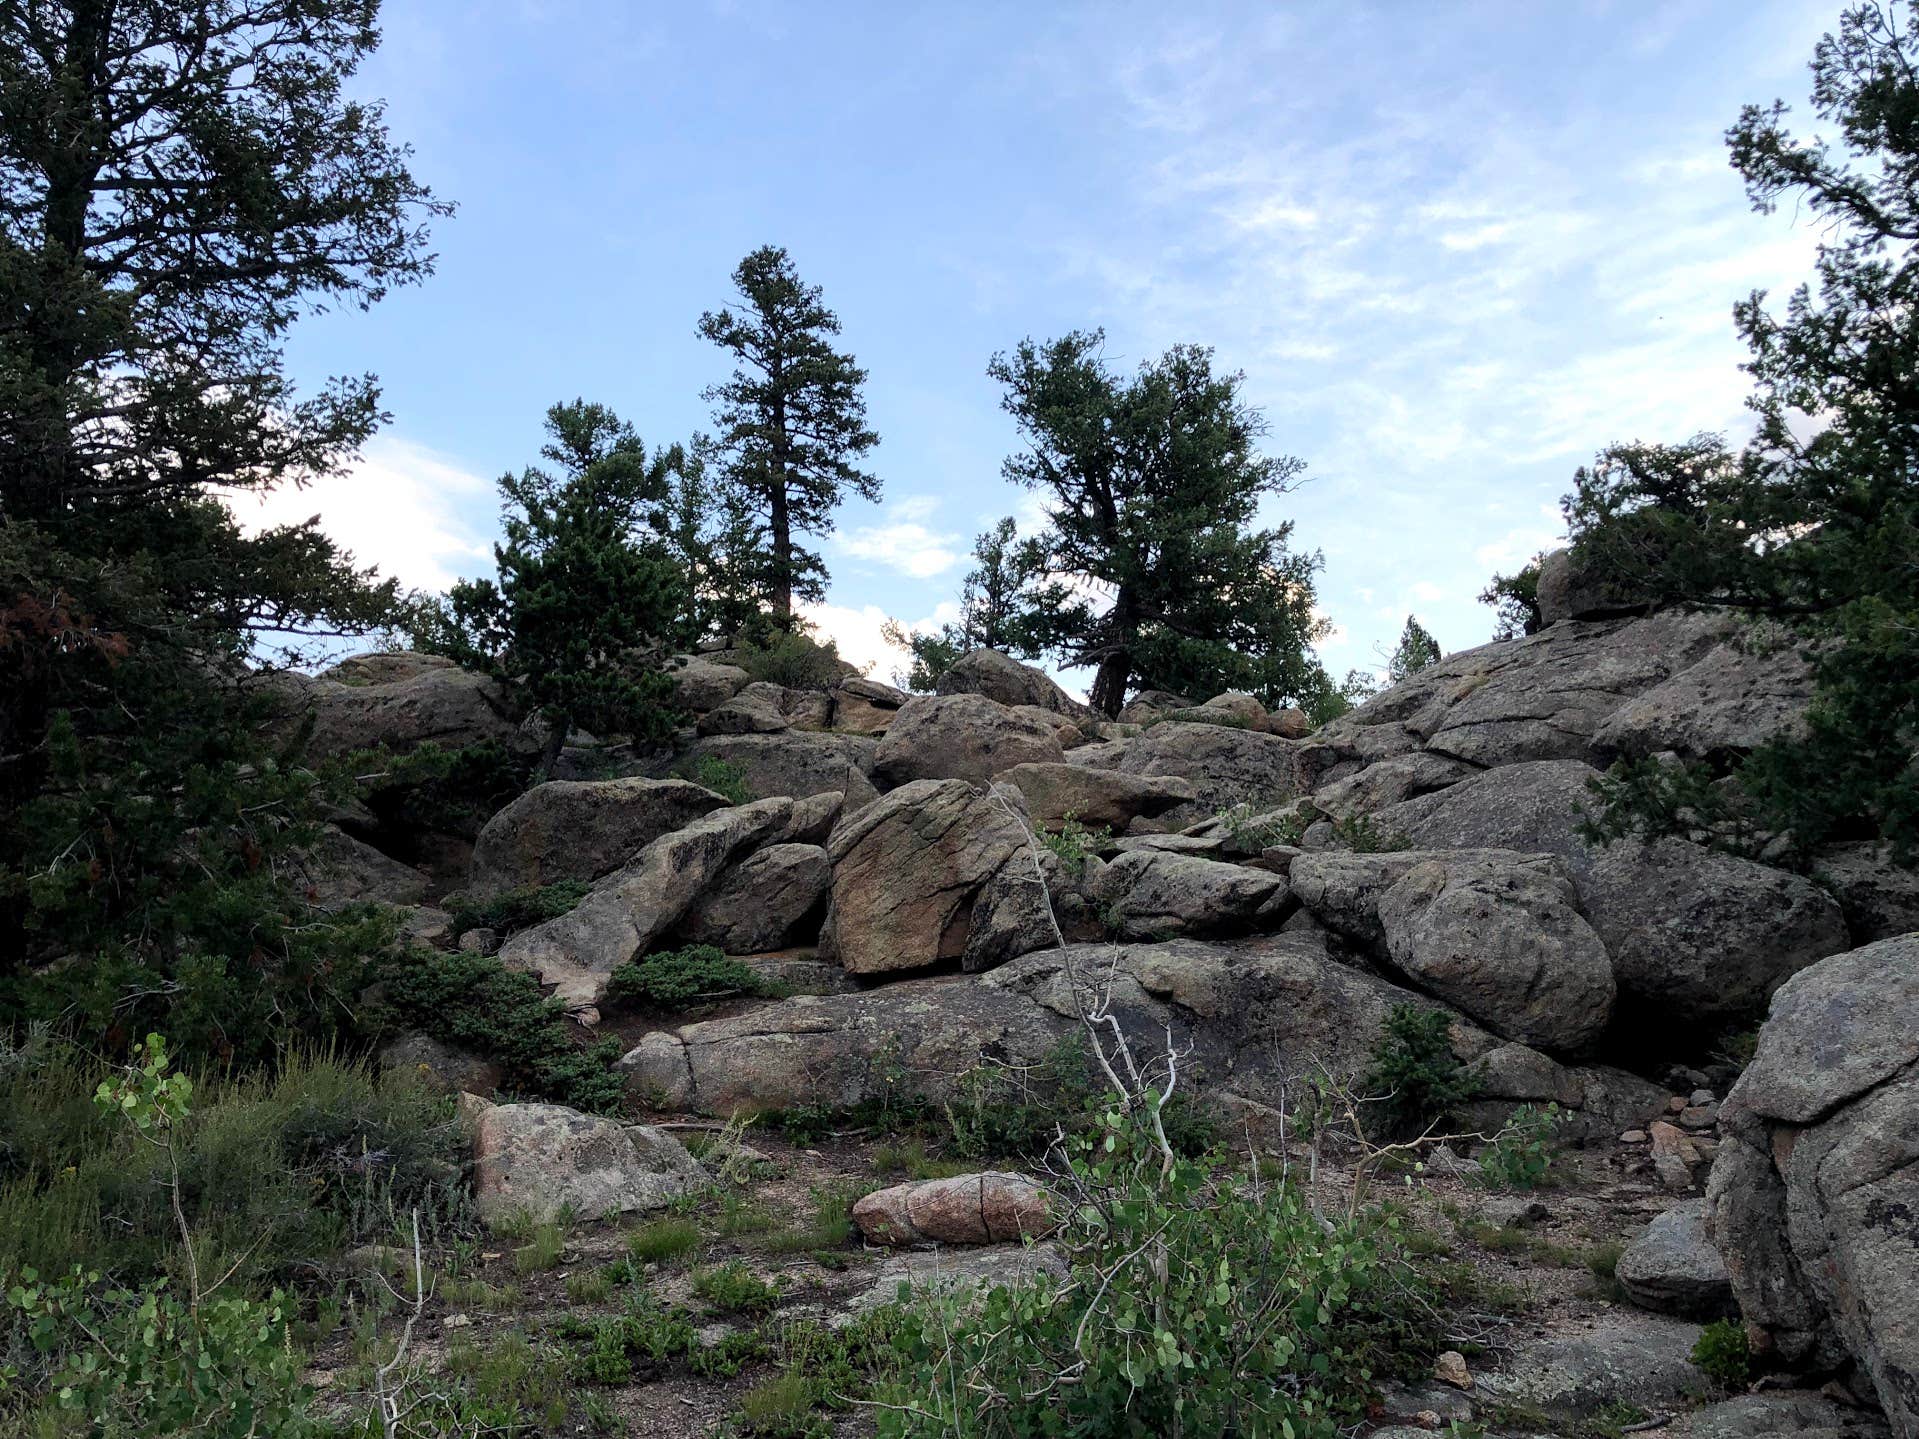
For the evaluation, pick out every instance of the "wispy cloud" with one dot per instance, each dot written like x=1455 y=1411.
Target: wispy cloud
x=905 y=542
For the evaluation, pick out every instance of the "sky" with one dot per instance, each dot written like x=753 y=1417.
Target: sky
x=1455 y=247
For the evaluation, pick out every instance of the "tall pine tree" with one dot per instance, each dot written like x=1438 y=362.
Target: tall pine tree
x=791 y=424
x=1150 y=568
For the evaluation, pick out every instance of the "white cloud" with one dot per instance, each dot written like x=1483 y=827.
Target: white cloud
x=1426 y=592
x=857 y=634
x=905 y=544
x=397 y=507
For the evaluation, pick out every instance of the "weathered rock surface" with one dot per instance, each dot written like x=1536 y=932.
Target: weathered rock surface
x=992 y=1207
x=863 y=706
x=1672 y=1266
x=1735 y=698
x=581 y=829
x=764 y=708
x=630 y=908
x=941 y=1271
x=1391 y=781
x=1225 y=766
x=962 y=736
x=907 y=871
x=795 y=764
x=1695 y=936
x=1506 y=943
x=437 y=704
x=1570 y=589
x=1094 y=797
x=440 y=1066
x=700 y=684
x=760 y=903
x=342 y=870
x=998 y=677
x=1255 y=1013
x=1816 y=1182
x=385 y=667
x=1880 y=898
x=1642 y=1360
x=1775 y=1413
x=542 y=1159
x=1151 y=894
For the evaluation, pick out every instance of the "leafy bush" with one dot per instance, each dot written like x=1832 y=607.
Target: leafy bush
x=1723 y=1353
x=1075 y=843
x=722 y=776
x=1198 y=1303
x=475 y=1002
x=732 y=1288
x=794 y=660
x=1414 y=1073
x=679 y=978
x=1250 y=829
x=1520 y=1155
x=516 y=909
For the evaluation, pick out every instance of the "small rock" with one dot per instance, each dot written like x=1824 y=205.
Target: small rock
x=1703 y=1096
x=480 y=941
x=1676 y=1105
x=1674 y=1156
x=1633 y=1136
x=1673 y=1268
x=1450 y=1368
x=456 y=1321
x=1699 y=1116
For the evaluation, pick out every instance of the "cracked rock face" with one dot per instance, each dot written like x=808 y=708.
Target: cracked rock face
x=1814 y=1196
x=540 y=1159
x=581 y=829
x=992 y=1207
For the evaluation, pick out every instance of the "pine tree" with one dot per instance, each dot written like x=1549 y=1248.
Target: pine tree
x=1515 y=601
x=1416 y=650
x=589 y=592
x=1815 y=523
x=1149 y=568
x=179 y=183
x=792 y=424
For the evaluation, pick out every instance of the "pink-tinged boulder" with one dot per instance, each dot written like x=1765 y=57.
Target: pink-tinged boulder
x=987 y=1208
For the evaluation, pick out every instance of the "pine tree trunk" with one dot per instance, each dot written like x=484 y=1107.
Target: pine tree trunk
x=782 y=527
x=1109 y=684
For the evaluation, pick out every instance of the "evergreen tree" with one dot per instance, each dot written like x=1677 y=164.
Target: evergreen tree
x=992 y=610
x=589 y=592
x=792 y=425
x=1815 y=524
x=1149 y=569
x=179 y=183
x=1515 y=601
x=1416 y=650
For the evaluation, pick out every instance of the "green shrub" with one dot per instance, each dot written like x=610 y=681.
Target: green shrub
x=517 y=909
x=793 y=660
x=1253 y=1317
x=722 y=776
x=475 y=1002
x=1365 y=835
x=663 y=1240
x=1724 y=1354
x=1250 y=829
x=732 y=1288
x=1075 y=844
x=681 y=978
x=1520 y=1155
x=1415 y=1075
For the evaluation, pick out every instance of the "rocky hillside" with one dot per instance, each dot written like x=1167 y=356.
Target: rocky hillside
x=921 y=878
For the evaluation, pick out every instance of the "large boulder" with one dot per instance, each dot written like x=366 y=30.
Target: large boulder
x=1250 y=1018
x=991 y=1207
x=699 y=684
x=1623 y=1359
x=1342 y=888
x=542 y=1160
x=1152 y=894
x=796 y=764
x=581 y=829
x=1224 y=765
x=863 y=706
x=1672 y=1266
x=630 y=908
x=385 y=667
x=437 y=704
x=1816 y=1183
x=761 y=902
x=963 y=736
x=998 y=677
x=1151 y=706
x=342 y=870
x=1880 y=896
x=765 y=708
x=1538 y=698
x=1734 y=699
x=1696 y=936
x=1505 y=942
x=1572 y=589
x=1096 y=798
x=907 y=871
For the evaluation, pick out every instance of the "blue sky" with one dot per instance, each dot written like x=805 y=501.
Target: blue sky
x=1456 y=247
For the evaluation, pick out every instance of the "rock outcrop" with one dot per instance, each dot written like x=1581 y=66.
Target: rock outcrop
x=1816 y=1184
x=581 y=829
x=961 y=736
x=1006 y=680
x=630 y=908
